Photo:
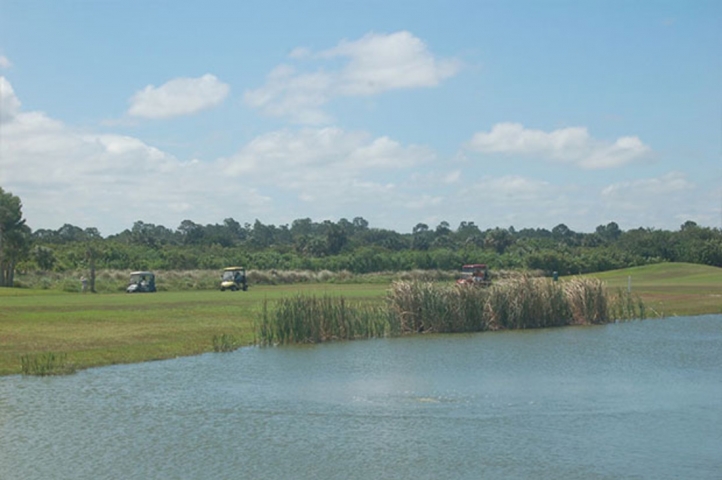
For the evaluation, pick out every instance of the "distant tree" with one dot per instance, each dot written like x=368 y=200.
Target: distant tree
x=15 y=236
x=498 y=239
x=302 y=226
x=191 y=232
x=688 y=225
x=609 y=232
x=336 y=238
x=70 y=233
x=420 y=228
x=235 y=229
x=421 y=237
x=443 y=228
x=44 y=257
x=467 y=230
x=360 y=223
x=262 y=236
x=387 y=239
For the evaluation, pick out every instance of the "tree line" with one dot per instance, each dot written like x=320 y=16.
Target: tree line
x=351 y=245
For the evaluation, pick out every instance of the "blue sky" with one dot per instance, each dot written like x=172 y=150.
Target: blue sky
x=523 y=113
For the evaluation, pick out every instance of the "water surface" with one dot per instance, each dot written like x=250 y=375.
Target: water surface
x=629 y=400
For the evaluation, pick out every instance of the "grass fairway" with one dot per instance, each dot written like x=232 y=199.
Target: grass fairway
x=672 y=289
x=95 y=330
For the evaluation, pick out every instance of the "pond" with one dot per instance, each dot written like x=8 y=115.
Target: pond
x=628 y=400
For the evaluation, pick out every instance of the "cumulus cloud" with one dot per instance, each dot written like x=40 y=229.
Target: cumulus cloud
x=69 y=175
x=330 y=169
x=329 y=152
x=5 y=62
x=373 y=64
x=177 y=97
x=378 y=62
x=108 y=181
x=8 y=101
x=571 y=145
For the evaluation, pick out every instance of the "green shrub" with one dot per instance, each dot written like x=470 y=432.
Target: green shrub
x=44 y=364
x=225 y=343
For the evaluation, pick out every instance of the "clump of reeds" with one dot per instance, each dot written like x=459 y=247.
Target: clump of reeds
x=44 y=364
x=414 y=307
x=528 y=302
x=433 y=307
x=588 y=301
x=312 y=319
x=524 y=302
x=626 y=306
x=225 y=343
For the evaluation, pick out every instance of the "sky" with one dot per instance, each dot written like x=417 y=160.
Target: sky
x=503 y=113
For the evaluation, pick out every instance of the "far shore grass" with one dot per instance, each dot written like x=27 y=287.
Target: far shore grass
x=95 y=330
x=671 y=289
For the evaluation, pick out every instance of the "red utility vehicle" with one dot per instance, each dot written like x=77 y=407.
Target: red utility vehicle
x=474 y=274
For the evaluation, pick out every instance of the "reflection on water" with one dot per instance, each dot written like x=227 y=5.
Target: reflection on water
x=634 y=400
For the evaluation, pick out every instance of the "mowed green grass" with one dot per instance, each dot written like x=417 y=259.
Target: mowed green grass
x=104 y=329
x=95 y=330
x=671 y=289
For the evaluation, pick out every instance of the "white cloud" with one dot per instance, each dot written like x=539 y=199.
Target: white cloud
x=665 y=201
x=329 y=152
x=379 y=62
x=300 y=52
x=180 y=96
x=637 y=190
x=571 y=145
x=5 y=62
x=330 y=169
x=66 y=175
x=513 y=187
x=108 y=181
x=297 y=96
x=424 y=202
x=374 y=64
x=9 y=102
x=452 y=177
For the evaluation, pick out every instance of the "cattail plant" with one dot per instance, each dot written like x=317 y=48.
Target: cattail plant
x=415 y=307
x=312 y=319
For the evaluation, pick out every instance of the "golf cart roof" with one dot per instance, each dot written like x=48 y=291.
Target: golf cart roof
x=474 y=265
x=142 y=273
x=233 y=269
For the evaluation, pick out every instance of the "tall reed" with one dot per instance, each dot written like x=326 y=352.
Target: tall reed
x=524 y=302
x=626 y=306
x=312 y=319
x=414 y=307
x=432 y=307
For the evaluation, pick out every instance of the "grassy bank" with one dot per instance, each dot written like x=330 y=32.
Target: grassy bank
x=94 y=330
x=91 y=330
x=671 y=289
